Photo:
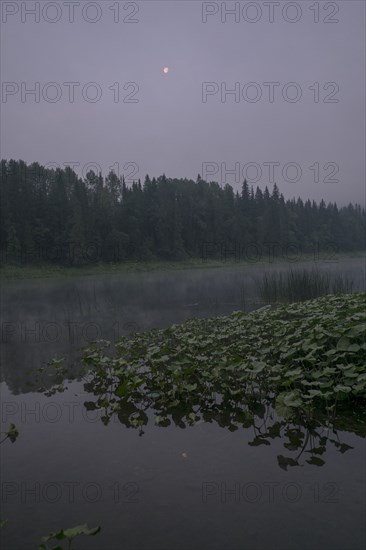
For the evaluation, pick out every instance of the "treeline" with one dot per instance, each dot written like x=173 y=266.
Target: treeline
x=50 y=215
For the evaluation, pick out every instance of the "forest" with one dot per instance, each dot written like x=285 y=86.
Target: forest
x=55 y=216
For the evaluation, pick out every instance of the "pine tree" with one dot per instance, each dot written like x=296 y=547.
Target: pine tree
x=162 y=218
x=13 y=247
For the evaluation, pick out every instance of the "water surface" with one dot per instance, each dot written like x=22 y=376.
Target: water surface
x=200 y=487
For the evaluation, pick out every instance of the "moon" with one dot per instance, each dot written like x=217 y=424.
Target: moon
x=166 y=70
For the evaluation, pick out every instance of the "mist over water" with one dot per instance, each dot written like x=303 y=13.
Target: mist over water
x=56 y=317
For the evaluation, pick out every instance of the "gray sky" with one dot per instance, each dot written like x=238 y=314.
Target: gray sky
x=173 y=126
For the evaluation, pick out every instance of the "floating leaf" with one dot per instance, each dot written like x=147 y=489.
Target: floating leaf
x=258 y=441
x=12 y=433
x=72 y=532
x=343 y=389
x=343 y=344
x=284 y=462
x=316 y=461
x=122 y=389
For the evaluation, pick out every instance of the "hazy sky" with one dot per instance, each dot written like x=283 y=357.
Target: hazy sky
x=177 y=123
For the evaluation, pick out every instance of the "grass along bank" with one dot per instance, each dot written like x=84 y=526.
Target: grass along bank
x=12 y=271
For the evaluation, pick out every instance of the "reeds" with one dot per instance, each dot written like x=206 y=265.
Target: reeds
x=300 y=285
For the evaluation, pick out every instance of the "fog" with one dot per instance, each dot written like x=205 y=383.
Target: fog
x=274 y=93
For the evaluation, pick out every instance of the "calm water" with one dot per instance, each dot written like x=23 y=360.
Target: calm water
x=202 y=487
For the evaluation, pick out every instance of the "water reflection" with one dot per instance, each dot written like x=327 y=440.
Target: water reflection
x=202 y=485
x=187 y=464
x=304 y=437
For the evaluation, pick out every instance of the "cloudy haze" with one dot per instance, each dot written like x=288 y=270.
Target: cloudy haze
x=177 y=123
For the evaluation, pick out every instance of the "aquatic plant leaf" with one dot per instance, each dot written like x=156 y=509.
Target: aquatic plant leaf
x=284 y=462
x=12 y=433
x=343 y=447
x=303 y=357
x=314 y=460
x=258 y=441
x=343 y=344
x=343 y=389
x=122 y=389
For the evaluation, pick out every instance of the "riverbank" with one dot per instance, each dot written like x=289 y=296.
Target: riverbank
x=8 y=271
